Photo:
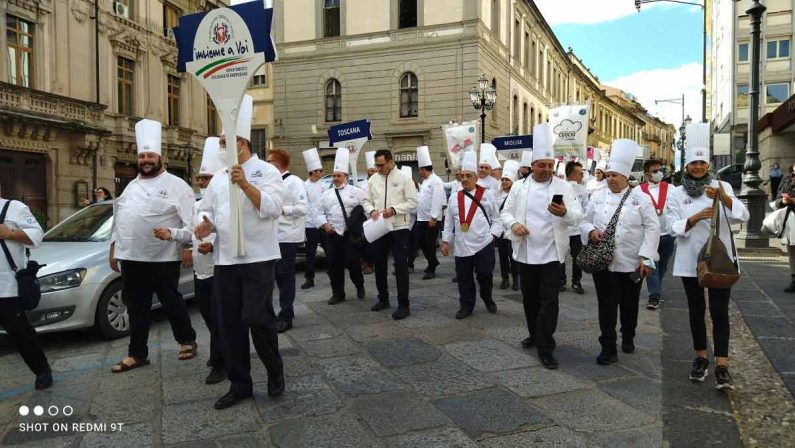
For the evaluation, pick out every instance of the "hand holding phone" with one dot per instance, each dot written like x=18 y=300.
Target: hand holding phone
x=557 y=199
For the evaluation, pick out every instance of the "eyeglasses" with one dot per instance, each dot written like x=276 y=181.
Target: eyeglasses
x=204 y=178
x=271 y=161
x=655 y=171
x=380 y=165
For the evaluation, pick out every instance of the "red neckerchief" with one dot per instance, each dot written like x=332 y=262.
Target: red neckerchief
x=663 y=195
x=473 y=207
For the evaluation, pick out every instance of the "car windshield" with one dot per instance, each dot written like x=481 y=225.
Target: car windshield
x=93 y=223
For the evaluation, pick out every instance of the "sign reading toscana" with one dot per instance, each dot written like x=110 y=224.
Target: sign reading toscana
x=223 y=48
x=352 y=136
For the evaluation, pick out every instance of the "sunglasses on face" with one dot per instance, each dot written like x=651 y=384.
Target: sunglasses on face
x=655 y=171
x=380 y=165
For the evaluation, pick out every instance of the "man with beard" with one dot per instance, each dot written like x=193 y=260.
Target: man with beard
x=147 y=215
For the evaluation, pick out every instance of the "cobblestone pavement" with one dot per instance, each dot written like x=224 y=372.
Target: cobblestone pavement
x=358 y=378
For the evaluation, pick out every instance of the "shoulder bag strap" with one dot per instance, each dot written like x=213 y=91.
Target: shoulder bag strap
x=342 y=206
x=611 y=226
x=3 y=242
x=479 y=205
x=731 y=235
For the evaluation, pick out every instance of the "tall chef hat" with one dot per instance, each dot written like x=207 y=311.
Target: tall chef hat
x=423 y=156
x=543 y=140
x=244 y=117
x=469 y=161
x=342 y=161
x=622 y=156
x=601 y=165
x=488 y=154
x=510 y=170
x=211 y=163
x=527 y=158
x=312 y=160
x=147 y=136
x=697 y=142
x=369 y=157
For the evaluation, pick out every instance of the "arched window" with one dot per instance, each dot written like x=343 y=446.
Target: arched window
x=333 y=100
x=409 y=95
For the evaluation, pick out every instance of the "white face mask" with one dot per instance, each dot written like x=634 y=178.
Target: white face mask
x=657 y=177
x=223 y=153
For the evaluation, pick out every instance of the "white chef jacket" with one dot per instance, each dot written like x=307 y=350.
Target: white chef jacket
x=654 y=190
x=501 y=197
x=489 y=183
x=689 y=243
x=163 y=201
x=260 y=224
x=581 y=196
x=294 y=208
x=515 y=211
x=480 y=233
x=637 y=231
x=18 y=218
x=330 y=211
x=203 y=265
x=594 y=185
x=314 y=196
x=431 y=199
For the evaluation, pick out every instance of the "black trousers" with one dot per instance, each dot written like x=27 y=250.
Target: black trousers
x=313 y=239
x=424 y=237
x=203 y=288
x=575 y=246
x=540 y=285
x=482 y=264
x=247 y=306
x=718 y=311
x=285 y=280
x=139 y=281
x=616 y=291
x=507 y=263
x=22 y=335
x=342 y=254
x=395 y=242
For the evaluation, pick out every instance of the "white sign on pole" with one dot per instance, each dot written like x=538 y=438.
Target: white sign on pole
x=570 y=128
x=721 y=144
x=460 y=138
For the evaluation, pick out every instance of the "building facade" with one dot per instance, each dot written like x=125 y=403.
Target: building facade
x=72 y=89
x=408 y=66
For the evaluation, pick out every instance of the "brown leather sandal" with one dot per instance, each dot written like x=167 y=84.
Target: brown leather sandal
x=188 y=353
x=120 y=366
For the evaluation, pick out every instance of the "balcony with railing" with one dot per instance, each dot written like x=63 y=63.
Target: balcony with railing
x=25 y=103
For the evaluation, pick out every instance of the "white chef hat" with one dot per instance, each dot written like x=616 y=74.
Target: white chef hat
x=510 y=170
x=527 y=158
x=696 y=143
x=342 y=161
x=147 y=136
x=244 y=118
x=543 y=140
x=488 y=154
x=211 y=163
x=369 y=157
x=407 y=171
x=312 y=160
x=622 y=156
x=601 y=165
x=469 y=161
x=423 y=156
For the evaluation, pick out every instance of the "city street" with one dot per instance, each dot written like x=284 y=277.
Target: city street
x=358 y=378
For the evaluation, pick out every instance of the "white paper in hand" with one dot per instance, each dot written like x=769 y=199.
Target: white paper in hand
x=374 y=230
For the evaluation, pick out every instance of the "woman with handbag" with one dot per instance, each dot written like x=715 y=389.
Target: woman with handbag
x=700 y=214
x=622 y=231
x=785 y=198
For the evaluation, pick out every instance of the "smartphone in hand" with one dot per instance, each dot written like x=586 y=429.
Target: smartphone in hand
x=557 y=199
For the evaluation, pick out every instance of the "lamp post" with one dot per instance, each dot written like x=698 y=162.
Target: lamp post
x=703 y=50
x=483 y=97
x=751 y=195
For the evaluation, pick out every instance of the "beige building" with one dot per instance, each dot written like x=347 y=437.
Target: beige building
x=68 y=117
x=408 y=65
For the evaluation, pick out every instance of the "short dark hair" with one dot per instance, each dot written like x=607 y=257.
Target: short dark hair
x=650 y=163
x=385 y=153
x=427 y=168
x=570 y=167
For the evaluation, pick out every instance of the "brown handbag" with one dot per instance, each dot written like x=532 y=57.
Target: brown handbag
x=716 y=268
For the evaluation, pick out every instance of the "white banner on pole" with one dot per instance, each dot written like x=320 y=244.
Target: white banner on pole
x=570 y=128
x=460 y=138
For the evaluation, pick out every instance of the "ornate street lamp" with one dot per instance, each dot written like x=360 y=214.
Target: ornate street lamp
x=483 y=97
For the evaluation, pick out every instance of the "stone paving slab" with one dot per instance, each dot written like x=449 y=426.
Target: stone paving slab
x=433 y=438
x=304 y=396
x=404 y=352
x=445 y=376
x=338 y=430
x=538 y=381
x=584 y=410
x=396 y=413
x=191 y=421
x=549 y=437
x=357 y=375
x=490 y=355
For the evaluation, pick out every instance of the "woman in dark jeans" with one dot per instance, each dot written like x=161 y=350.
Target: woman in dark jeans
x=786 y=197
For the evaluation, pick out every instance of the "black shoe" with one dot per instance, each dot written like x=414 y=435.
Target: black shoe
x=654 y=303
x=491 y=307
x=43 y=380
x=529 y=342
x=230 y=399
x=401 y=313
x=577 y=287
x=283 y=325
x=722 y=378
x=275 y=384
x=455 y=279
x=335 y=300
x=548 y=361
x=515 y=286
x=606 y=357
x=217 y=374
x=628 y=347
x=308 y=284
x=562 y=288
x=462 y=313
x=429 y=275
x=505 y=284
x=411 y=269
x=209 y=363
x=380 y=305
x=791 y=287
x=360 y=292
x=700 y=369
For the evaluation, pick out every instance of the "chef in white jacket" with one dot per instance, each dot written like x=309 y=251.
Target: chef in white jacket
x=332 y=219
x=314 y=193
x=538 y=226
x=430 y=211
x=690 y=217
x=574 y=173
x=637 y=234
x=488 y=160
x=245 y=282
x=472 y=224
x=147 y=215
x=509 y=268
x=598 y=182
x=525 y=164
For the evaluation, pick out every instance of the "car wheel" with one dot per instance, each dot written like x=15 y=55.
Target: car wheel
x=112 y=320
